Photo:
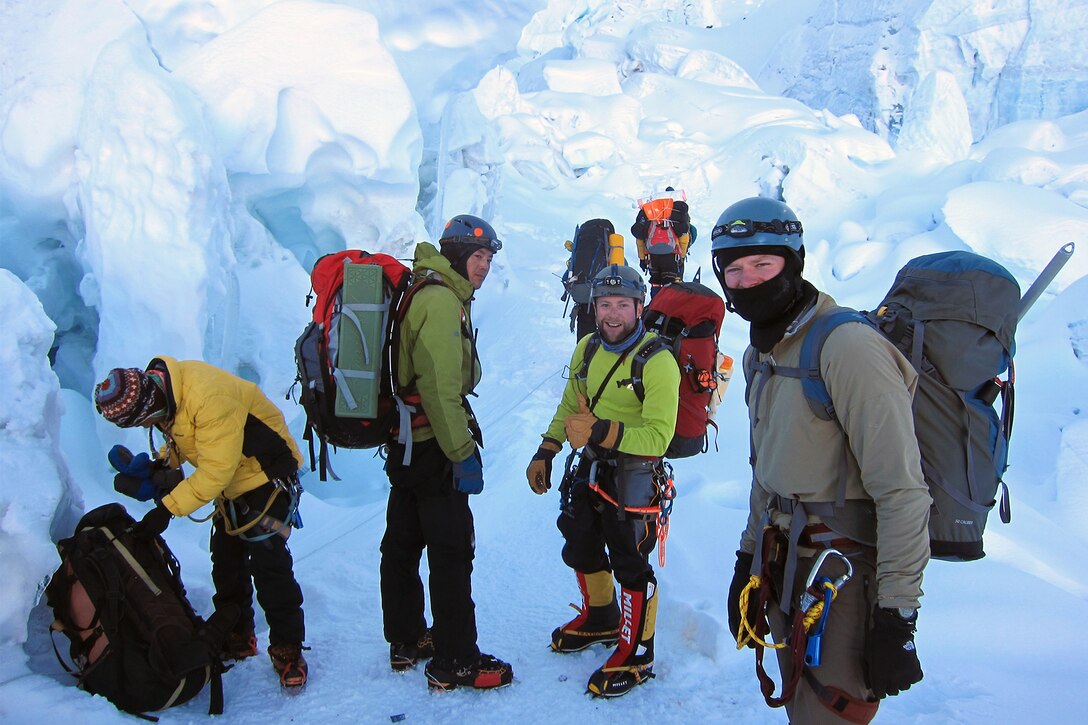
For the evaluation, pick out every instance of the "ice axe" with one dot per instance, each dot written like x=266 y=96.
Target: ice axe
x=1044 y=279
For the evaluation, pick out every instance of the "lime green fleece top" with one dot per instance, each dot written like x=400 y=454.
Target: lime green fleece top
x=648 y=426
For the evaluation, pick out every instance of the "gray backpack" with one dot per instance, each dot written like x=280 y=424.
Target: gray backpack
x=953 y=315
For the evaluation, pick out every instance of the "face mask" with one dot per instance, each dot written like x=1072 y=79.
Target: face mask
x=768 y=301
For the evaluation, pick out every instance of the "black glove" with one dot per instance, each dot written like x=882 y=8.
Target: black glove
x=891 y=661
x=153 y=523
x=741 y=574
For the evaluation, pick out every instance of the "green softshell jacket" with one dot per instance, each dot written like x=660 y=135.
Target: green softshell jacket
x=436 y=352
x=648 y=426
x=799 y=456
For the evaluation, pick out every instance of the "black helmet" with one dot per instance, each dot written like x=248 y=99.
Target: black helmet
x=618 y=280
x=472 y=230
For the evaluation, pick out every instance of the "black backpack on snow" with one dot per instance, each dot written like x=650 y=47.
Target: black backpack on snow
x=588 y=256
x=953 y=315
x=134 y=637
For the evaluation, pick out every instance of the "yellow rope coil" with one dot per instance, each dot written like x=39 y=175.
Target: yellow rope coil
x=748 y=634
x=812 y=616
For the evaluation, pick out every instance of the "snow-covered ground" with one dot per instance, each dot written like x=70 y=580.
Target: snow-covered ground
x=169 y=170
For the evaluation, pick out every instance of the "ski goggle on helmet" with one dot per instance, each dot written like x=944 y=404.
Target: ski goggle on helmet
x=757 y=222
x=618 y=280
x=469 y=229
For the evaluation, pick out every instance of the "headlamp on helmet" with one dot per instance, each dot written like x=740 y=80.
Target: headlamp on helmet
x=618 y=280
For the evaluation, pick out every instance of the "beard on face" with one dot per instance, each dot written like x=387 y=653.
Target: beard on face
x=616 y=334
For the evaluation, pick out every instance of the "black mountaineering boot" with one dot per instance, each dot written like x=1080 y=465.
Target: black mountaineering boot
x=290 y=665
x=405 y=655
x=482 y=672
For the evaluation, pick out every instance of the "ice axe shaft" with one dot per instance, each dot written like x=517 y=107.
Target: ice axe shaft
x=1045 y=278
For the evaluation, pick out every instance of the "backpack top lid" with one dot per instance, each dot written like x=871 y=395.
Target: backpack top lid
x=689 y=305
x=960 y=286
x=327 y=276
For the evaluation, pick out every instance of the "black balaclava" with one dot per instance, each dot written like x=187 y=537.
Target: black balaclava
x=774 y=304
x=458 y=253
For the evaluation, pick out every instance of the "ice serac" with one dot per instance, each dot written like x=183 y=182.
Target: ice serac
x=29 y=424
x=154 y=204
x=936 y=124
x=318 y=129
x=1013 y=60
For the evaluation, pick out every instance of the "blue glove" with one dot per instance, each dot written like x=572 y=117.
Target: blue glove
x=468 y=475
x=123 y=461
x=141 y=489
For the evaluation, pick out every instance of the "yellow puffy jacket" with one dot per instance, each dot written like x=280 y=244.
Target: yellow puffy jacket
x=226 y=428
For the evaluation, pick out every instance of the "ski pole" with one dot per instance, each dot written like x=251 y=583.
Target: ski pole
x=1045 y=278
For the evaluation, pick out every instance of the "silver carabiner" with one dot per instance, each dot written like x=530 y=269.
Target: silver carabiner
x=808 y=599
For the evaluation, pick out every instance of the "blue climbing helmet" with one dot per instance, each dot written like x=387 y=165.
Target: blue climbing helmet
x=470 y=230
x=758 y=222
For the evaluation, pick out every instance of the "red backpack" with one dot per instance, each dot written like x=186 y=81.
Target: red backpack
x=318 y=357
x=687 y=316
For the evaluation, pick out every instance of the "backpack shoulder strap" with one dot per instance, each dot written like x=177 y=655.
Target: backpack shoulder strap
x=748 y=364
x=808 y=368
x=592 y=345
x=638 y=363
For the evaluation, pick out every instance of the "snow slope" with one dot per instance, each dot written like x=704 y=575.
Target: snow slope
x=170 y=170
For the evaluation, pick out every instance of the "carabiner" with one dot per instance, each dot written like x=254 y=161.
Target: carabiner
x=808 y=599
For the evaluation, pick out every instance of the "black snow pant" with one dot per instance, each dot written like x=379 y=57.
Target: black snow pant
x=425 y=511
x=239 y=566
x=590 y=524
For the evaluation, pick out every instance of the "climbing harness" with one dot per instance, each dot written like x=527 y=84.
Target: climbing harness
x=809 y=619
x=261 y=521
